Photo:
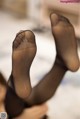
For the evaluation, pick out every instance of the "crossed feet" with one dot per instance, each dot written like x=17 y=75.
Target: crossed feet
x=24 y=50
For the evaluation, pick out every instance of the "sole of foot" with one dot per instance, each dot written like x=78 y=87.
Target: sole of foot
x=65 y=41
x=24 y=50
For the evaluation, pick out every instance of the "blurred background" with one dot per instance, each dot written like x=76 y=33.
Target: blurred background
x=16 y=15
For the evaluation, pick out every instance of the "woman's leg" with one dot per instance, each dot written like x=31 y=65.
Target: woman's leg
x=24 y=50
x=67 y=59
x=47 y=87
x=35 y=112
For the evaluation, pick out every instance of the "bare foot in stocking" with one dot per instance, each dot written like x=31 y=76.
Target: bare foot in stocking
x=66 y=44
x=24 y=50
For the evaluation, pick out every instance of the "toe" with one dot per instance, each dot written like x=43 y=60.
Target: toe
x=56 y=18
x=20 y=35
x=19 y=32
x=15 y=44
x=18 y=40
x=29 y=35
x=62 y=18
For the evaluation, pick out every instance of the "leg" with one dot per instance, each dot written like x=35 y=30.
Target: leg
x=24 y=50
x=35 y=112
x=66 y=47
x=48 y=85
x=51 y=81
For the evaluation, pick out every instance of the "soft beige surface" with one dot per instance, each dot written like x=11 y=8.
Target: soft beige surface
x=66 y=103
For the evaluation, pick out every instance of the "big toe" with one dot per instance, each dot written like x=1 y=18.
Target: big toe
x=30 y=36
x=56 y=18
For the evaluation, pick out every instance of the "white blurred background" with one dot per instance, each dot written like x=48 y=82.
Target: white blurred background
x=16 y=15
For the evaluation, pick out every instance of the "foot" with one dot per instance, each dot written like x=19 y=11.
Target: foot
x=24 y=50
x=66 y=44
x=36 y=112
